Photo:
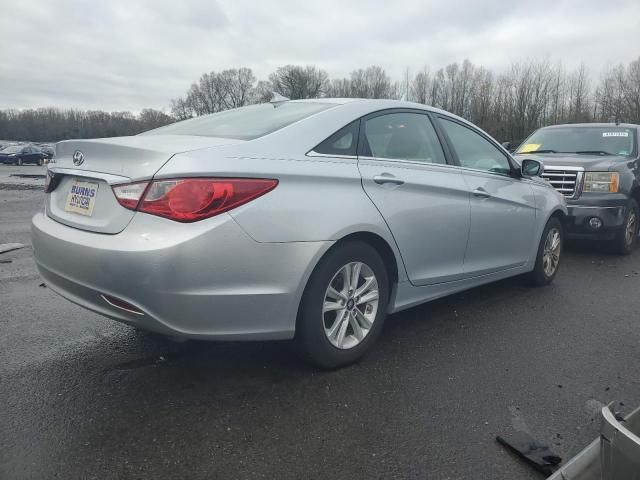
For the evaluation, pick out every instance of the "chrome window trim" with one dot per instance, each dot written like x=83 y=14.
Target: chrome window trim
x=485 y=172
x=313 y=153
x=591 y=206
x=404 y=160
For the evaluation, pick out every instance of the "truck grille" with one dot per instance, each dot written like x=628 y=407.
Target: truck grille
x=566 y=180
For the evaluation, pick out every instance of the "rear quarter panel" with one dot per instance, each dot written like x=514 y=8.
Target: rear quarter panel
x=317 y=198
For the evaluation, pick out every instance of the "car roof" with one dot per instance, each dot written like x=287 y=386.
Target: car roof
x=373 y=103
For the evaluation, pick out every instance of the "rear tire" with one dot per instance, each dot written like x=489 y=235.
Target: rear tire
x=626 y=239
x=549 y=253
x=339 y=319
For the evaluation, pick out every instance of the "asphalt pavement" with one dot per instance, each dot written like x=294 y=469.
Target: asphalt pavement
x=82 y=396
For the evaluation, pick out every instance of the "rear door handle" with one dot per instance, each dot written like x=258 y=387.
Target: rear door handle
x=382 y=179
x=481 y=192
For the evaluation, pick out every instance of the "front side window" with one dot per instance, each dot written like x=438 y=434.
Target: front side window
x=475 y=151
x=583 y=140
x=401 y=136
x=245 y=123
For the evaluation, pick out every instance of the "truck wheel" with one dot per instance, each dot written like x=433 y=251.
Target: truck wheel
x=343 y=306
x=549 y=252
x=626 y=238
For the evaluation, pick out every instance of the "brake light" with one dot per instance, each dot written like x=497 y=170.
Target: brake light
x=191 y=199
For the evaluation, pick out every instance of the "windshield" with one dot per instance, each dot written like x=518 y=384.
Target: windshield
x=244 y=123
x=580 y=139
x=11 y=149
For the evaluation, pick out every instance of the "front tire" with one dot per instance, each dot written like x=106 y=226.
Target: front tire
x=626 y=239
x=549 y=252
x=343 y=307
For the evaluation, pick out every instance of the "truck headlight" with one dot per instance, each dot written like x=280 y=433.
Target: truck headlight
x=601 y=182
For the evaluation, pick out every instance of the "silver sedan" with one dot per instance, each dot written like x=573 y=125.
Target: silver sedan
x=309 y=220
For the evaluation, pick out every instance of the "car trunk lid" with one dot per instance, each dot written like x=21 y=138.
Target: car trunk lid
x=85 y=170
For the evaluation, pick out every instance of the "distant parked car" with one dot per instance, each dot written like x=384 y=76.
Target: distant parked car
x=300 y=219
x=22 y=154
x=596 y=166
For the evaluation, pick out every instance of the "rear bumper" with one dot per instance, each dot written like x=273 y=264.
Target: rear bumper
x=610 y=211
x=206 y=280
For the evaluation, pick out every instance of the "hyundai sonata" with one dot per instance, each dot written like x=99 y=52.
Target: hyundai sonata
x=309 y=220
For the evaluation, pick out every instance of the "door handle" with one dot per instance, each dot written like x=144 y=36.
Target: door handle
x=481 y=192
x=382 y=179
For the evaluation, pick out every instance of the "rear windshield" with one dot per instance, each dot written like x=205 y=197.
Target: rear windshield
x=583 y=140
x=245 y=123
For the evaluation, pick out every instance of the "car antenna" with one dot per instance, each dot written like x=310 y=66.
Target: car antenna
x=277 y=99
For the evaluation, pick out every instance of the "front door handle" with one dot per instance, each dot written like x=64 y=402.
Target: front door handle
x=481 y=192
x=382 y=179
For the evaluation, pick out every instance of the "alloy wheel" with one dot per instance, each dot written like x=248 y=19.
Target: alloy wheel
x=551 y=253
x=630 y=228
x=350 y=305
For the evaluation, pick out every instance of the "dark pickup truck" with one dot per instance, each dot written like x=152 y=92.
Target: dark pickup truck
x=596 y=166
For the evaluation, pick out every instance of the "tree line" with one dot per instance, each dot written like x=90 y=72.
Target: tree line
x=509 y=104
x=54 y=124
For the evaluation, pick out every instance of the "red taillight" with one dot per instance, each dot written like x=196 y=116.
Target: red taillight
x=191 y=199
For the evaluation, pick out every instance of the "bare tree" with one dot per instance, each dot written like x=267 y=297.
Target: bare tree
x=578 y=91
x=296 y=82
x=372 y=82
x=421 y=87
x=180 y=109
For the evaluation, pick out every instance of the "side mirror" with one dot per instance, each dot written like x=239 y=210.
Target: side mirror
x=532 y=168
x=507 y=146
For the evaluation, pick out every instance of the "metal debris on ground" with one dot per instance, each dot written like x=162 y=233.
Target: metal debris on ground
x=538 y=455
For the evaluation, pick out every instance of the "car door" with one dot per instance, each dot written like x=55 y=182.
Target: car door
x=423 y=199
x=30 y=155
x=503 y=206
x=24 y=154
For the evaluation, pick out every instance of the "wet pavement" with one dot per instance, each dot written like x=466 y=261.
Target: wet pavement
x=84 y=397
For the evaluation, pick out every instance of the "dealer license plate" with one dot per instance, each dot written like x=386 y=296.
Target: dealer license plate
x=81 y=197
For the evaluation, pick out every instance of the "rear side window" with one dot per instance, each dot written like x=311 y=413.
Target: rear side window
x=245 y=123
x=401 y=136
x=473 y=150
x=344 y=142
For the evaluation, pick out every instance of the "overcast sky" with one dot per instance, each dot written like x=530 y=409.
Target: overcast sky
x=131 y=54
